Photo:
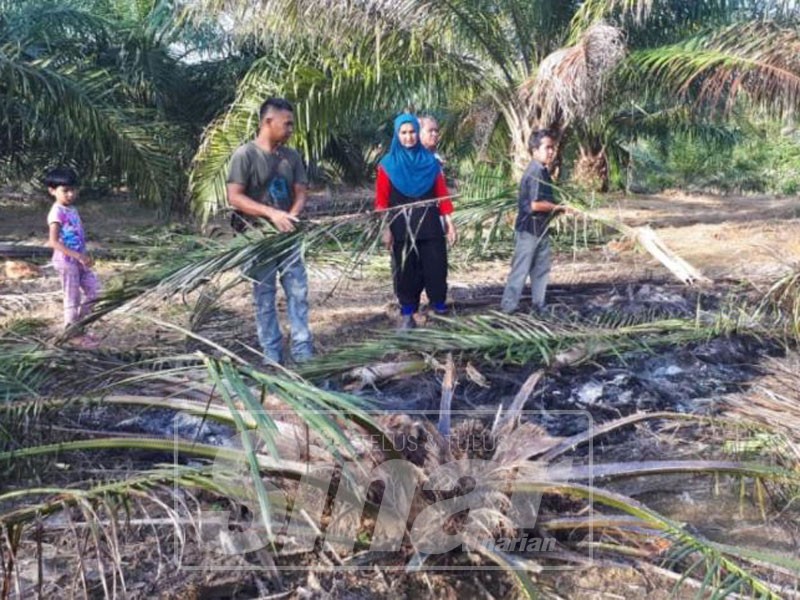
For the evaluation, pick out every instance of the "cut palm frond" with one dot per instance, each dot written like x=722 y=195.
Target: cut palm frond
x=516 y=339
x=772 y=402
x=653 y=244
x=783 y=300
x=723 y=571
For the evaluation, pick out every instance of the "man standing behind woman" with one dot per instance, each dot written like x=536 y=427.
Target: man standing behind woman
x=430 y=135
x=416 y=236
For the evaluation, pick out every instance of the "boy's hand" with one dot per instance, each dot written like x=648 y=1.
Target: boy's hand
x=86 y=260
x=545 y=206
x=567 y=210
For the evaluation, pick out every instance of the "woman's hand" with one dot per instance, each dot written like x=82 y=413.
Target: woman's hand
x=387 y=238
x=452 y=232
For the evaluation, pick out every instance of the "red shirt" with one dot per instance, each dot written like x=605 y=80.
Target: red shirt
x=383 y=189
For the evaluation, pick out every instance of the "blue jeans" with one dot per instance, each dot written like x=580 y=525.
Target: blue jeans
x=292 y=273
x=531 y=259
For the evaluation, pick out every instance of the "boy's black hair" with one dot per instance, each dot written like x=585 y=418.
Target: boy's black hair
x=61 y=176
x=275 y=103
x=539 y=135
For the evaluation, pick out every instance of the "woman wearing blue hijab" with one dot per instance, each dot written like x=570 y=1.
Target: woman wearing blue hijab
x=408 y=175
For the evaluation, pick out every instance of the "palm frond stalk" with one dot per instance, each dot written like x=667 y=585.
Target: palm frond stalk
x=512 y=339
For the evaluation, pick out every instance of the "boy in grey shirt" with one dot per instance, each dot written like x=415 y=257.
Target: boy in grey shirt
x=537 y=205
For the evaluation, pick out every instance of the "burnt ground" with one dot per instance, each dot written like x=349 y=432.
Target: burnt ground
x=741 y=243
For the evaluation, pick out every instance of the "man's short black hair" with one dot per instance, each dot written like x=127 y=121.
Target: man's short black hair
x=274 y=103
x=538 y=137
x=65 y=176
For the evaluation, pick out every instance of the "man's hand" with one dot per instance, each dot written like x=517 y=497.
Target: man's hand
x=387 y=238
x=282 y=220
x=238 y=200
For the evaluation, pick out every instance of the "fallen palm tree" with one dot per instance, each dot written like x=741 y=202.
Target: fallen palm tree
x=533 y=502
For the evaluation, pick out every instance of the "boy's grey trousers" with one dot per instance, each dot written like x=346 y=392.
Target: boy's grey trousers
x=531 y=259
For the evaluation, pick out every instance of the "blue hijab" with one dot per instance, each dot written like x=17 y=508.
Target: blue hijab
x=411 y=170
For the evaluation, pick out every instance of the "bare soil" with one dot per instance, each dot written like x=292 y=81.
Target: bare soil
x=741 y=242
x=726 y=237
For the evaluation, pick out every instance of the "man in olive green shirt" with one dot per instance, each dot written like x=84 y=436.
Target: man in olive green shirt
x=268 y=180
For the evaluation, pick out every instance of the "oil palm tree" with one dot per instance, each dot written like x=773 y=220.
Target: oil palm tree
x=287 y=429
x=688 y=65
x=101 y=84
x=568 y=65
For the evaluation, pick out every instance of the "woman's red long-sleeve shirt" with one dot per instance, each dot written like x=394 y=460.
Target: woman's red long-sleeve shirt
x=383 y=189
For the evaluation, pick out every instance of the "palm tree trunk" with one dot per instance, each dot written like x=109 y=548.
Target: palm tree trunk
x=520 y=115
x=591 y=168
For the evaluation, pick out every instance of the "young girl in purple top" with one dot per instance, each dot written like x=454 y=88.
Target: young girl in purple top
x=70 y=259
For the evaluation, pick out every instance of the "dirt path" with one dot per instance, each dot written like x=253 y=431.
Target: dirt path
x=738 y=237
x=725 y=236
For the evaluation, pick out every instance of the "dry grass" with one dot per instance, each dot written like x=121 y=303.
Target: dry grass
x=366 y=304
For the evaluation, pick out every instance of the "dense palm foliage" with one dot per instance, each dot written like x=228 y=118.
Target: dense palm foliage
x=105 y=85
x=604 y=72
x=123 y=90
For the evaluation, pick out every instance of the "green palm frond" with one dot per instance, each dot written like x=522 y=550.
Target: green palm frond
x=723 y=569
x=755 y=60
x=513 y=339
x=193 y=262
x=24 y=362
x=592 y=11
x=653 y=23
x=181 y=254
x=88 y=126
x=661 y=121
x=331 y=88
x=92 y=84
x=22 y=372
x=487 y=197
x=56 y=499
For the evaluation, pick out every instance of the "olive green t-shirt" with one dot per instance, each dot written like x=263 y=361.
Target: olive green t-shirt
x=268 y=177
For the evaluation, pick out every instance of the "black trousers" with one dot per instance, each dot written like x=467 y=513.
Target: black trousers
x=417 y=266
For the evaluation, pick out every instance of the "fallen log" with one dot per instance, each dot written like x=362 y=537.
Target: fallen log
x=647 y=238
x=13 y=250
